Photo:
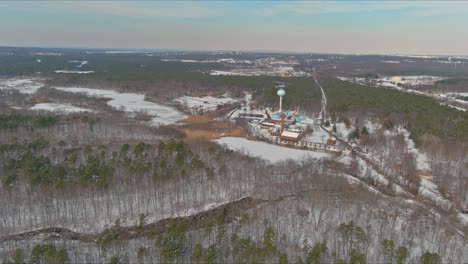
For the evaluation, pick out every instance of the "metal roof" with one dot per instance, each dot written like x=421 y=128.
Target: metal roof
x=290 y=134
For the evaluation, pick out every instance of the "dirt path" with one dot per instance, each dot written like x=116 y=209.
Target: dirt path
x=323 y=113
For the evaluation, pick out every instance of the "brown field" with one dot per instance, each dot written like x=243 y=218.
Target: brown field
x=39 y=99
x=212 y=130
x=143 y=117
x=206 y=127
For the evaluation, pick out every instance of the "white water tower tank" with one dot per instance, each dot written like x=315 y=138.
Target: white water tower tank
x=281 y=92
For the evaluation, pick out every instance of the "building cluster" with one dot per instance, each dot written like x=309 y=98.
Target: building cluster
x=283 y=124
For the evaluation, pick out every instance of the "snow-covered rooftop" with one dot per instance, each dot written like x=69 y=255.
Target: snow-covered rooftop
x=290 y=134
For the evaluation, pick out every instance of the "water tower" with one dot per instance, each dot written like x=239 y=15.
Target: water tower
x=281 y=93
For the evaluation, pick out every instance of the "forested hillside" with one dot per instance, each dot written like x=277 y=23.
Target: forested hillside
x=93 y=180
x=168 y=201
x=422 y=115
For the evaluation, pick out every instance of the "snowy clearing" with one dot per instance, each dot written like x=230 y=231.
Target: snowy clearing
x=81 y=63
x=371 y=126
x=454 y=107
x=270 y=152
x=342 y=131
x=227 y=73
x=132 y=103
x=204 y=103
x=429 y=190
x=71 y=71
x=175 y=60
x=411 y=80
x=317 y=135
x=422 y=161
x=24 y=86
x=61 y=108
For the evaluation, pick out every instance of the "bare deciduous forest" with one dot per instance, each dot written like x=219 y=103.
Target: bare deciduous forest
x=105 y=186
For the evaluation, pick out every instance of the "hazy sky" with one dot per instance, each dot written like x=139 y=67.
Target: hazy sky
x=390 y=27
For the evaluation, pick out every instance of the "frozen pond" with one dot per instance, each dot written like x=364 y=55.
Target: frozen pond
x=61 y=108
x=132 y=103
x=24 y=86
x=270 y=152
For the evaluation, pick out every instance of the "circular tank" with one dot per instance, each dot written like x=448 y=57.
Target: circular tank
x=281 y=92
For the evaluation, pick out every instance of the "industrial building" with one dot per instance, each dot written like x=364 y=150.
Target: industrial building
x=281 y=123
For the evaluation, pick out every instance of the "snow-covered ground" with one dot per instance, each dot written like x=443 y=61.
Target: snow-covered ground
x=204 y=103
x=277 y=71
x=61 y=108
x=411 y=80
x=186 y=61
x=73 y=71
x=428 y=188
x=455 y=107
x=270 y=152
x=228 y=73
x=247 y=100
x=342 y=131
x=132 y=103
x=394 y=81
x=371 y=126
x=24 y=86
x=455 y=97
x=422 y=161
x=317 y=135
x=119 y=52
x=225 y=60
x=81 y=63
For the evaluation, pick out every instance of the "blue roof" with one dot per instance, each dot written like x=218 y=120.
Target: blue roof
x=289 y=116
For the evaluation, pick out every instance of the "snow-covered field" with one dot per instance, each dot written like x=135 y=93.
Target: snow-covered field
x=61 y=108
x=24 y=86
x=132 y=103
x=73 y=71
x=270 y=152
x=455 y=97
x=186 y=61
x=278 y=71
x=422 y=161
x=81 y=63
x=204 y=103
x=228 y=73
x=317 y=135
x=455 y=107
x=394 y=81
x=411 y=80
x=342 y=131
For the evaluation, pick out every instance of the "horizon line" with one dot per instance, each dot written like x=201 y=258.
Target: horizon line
x=159 y=50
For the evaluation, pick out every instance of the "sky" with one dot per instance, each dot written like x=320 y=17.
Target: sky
x=361 y=27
